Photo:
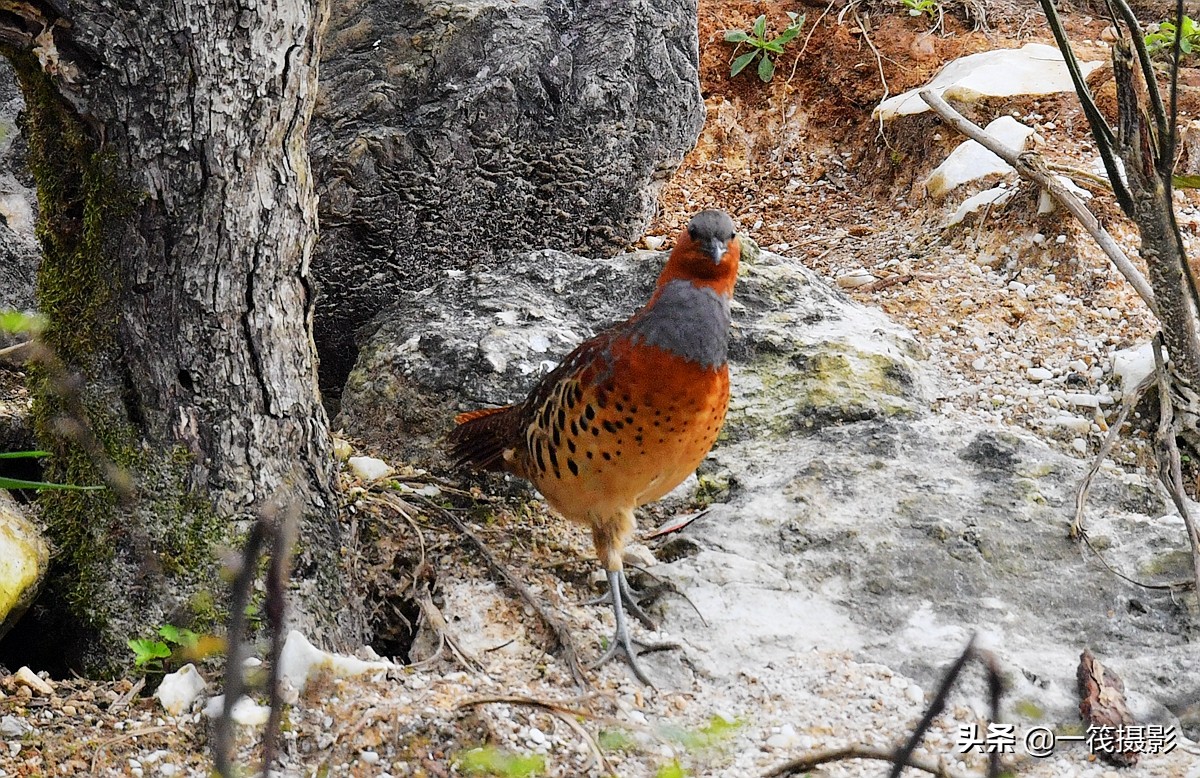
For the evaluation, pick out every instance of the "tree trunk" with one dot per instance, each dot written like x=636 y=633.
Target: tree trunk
x=177 y=220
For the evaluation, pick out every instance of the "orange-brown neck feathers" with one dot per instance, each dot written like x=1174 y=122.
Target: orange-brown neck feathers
x=706 y=253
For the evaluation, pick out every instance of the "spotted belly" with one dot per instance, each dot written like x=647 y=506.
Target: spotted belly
x=626 y=438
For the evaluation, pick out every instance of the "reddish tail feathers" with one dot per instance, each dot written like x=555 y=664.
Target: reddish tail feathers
x=481 y=437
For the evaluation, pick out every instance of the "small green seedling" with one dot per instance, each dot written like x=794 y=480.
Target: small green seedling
x=919 y=7
x=148 y=653
x=490 y=760
x=1162 y=41
x=762 y=48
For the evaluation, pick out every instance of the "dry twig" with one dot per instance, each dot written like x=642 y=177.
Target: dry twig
x=813 y=759
x=558 y=628
x=563 y=711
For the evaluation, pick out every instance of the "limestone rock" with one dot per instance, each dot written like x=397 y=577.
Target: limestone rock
x=449 y=133
x=24 y=556
x=1033 y=69
x=970 y=161
x=178 y=690
x=802 y=354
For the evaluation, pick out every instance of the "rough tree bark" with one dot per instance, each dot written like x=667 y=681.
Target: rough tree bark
x=178 y=217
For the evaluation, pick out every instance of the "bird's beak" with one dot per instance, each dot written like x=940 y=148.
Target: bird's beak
x=716 y=248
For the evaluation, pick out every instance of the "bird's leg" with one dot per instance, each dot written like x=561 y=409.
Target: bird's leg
x=622 y=643
x=609 y=536
x=629 y=598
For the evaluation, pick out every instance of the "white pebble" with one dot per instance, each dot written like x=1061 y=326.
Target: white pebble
x=370 y=757
x=1079 y=444
x=1039 y=374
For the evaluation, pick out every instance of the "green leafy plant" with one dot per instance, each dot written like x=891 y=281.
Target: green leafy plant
x=490 y=760
x=16 y=322
x=918 y=7
x=671 y=770
x=1162 y=41
x=149 y=654
x=19 y=483
x=762 y=48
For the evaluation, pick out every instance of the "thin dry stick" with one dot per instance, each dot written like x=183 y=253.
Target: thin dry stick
x=878 y=63
x=276 y=605
x=558 y=628
x=128 y=696
x=1030 y=165
x=813 y=759
x=224 y=740
x=18 y=354
x=1081 y=494
x=563 y=712
x=808 y=37
x=437 y=622
x=1169 y=465
x=905 y=754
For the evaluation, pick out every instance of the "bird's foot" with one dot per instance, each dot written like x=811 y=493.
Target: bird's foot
x=622 y=645
x=629 y=599
x=620 y=595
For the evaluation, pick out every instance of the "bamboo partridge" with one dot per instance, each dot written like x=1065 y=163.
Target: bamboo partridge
x=629 y=414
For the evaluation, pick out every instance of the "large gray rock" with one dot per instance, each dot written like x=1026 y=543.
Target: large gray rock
x=449 y=133
x=18 y=203
x=802 y=355
x=856 y=519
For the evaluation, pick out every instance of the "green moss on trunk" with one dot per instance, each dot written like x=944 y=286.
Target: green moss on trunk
x=121 y=566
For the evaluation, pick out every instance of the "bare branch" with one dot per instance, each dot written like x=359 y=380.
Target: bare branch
x=1032 y=166
x=806 y=762
x=562 y=634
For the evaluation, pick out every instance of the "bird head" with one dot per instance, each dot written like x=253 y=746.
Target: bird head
x=706 y=253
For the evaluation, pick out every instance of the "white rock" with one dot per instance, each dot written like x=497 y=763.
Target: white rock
x=654 y=242
x=27 y=677
x=638 y=555
x=1039 y=374
x=1084 y=399
x=1132 y=365
x=180 y=689
x=855 y=279
x=1076 y=424
x=12 y=727
x=300 y=660
x=370 y=757
x=996 y=195
x=246 y=711
x=971 y=161
x=1080 y=445
x=369 y=468
x=1034 y=69
x=1047 y=203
